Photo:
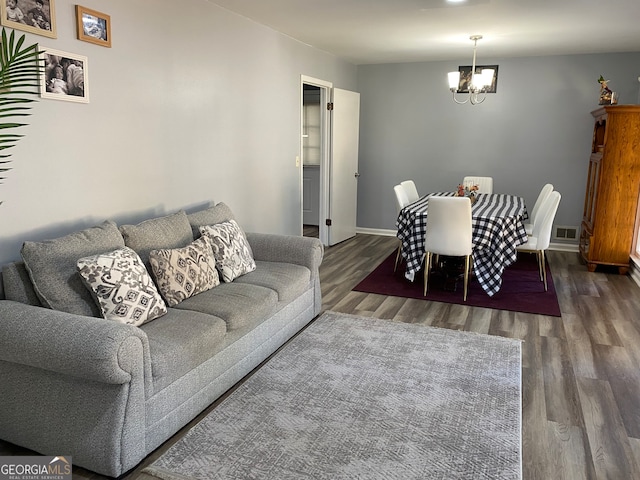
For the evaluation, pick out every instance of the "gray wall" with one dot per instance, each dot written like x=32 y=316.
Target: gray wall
x=536 y=129
x=191 y=104
x=194 y=104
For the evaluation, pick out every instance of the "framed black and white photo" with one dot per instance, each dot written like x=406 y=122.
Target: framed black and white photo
x=65 y=76
x=93 y=26
x=34 y=16
x=465 y=78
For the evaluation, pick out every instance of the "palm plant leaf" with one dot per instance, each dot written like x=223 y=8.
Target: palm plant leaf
x=20 y=70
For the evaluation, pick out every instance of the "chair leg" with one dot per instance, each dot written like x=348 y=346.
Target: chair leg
x=466 y=275
x=427 y=267
x=543 y=269
x=538 y=262
x=397 y=257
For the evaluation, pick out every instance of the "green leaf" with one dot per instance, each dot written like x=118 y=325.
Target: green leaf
x=20 y=70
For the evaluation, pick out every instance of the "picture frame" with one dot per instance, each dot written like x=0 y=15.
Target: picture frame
x=33 y=16
x=65 y=76
x=93 y=26
x=465 y=78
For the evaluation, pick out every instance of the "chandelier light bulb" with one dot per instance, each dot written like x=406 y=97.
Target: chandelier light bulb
x=454 y=80
x=487 y=77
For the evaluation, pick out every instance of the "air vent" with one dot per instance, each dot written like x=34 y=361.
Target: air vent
x=566 y=233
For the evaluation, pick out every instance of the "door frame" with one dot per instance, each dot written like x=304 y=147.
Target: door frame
x=325 y=164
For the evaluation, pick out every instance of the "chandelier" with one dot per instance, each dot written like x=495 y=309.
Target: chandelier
x=479 y=82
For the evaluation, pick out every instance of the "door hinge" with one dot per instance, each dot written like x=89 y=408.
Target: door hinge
x=330 y=106
x=328 y=222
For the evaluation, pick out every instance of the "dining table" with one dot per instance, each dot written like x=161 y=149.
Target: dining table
x=498 y=229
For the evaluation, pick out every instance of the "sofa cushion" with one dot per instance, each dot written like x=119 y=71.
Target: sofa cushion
x=171 y=231
x=52 y=267
x=231 y=249
x=183 y=272
x=180 y=341
x=209 y=216
x=17 y=284
x=239 y=305
x=288 y=280
x=121 y=286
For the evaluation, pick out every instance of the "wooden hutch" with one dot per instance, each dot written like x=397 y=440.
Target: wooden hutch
x=613 y=188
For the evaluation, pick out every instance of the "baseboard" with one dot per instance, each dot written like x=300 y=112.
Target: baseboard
x=634 y=271
x=559 y=247
x=564 y=247
x=376 y=231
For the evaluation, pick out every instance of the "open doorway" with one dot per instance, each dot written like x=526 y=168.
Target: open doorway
x=311 y=159
x=314 y=149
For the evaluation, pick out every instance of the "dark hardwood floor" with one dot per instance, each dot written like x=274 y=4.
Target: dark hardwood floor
x=310 y=231
x=580 y=372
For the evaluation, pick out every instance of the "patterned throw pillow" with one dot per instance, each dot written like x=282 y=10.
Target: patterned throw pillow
x=182 y=272
x=121 y=286
x=231 y=249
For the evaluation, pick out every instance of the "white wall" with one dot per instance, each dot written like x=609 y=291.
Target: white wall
x=192 y=104
x=536 y=129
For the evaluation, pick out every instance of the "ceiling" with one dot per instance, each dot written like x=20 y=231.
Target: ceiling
x=394 y=31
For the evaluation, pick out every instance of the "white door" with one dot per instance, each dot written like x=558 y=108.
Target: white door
x=343 y=177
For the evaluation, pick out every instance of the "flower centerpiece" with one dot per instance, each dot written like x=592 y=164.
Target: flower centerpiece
x=467 y=190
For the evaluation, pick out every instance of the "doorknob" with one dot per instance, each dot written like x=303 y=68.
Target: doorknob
x=356 y=175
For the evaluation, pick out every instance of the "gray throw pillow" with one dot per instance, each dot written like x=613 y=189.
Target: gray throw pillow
x=52 y=267
x=183 y=272
x=209 y=216
x=17 y=284
x=171 y=231
x=230 y=248
x=122 y=287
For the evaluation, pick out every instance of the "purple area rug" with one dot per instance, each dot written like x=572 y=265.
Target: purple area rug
x=522 y=290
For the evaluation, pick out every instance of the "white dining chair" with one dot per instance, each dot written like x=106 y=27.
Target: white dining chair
x=412 y=192
x=448 y=232
x=485 y=184
x=542 y=196
x=538 y=242
x=402 y=200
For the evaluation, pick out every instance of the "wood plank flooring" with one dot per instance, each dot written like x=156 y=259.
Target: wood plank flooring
x=580 y=372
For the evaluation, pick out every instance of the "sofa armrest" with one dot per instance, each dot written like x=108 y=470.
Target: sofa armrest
x=304 y=251
x=85 y=347
x=75 y=384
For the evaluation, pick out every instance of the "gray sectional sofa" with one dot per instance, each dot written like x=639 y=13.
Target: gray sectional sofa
x=108 y=393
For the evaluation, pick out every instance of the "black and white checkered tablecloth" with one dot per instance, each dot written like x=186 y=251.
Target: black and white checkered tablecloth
x=497 y=230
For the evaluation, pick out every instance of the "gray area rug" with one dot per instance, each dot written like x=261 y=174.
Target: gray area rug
x=361 y=398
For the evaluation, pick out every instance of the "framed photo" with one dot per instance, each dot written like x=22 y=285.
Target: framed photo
x=65 y=76
x=465 y=78
x=34 y=16
x=93 y=27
